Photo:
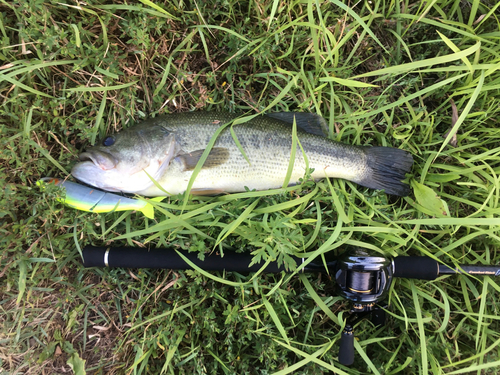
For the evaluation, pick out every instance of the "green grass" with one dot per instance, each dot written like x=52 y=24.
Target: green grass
x=422 y=76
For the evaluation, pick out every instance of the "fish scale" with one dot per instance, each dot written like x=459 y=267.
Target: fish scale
x=267 y=145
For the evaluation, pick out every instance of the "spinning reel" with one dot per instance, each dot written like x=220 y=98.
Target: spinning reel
x=362 y=279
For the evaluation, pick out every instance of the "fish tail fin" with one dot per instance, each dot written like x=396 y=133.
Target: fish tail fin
x=387 y=167
x=148 y=209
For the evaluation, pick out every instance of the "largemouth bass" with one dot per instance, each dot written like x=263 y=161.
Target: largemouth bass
x=167 y=149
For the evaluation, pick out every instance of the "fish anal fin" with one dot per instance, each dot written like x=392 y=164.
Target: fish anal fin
x=308 y=122
x=216 y=157
x=207 y=191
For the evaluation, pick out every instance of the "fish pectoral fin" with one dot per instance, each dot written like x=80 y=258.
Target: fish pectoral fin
x=308 y=122
x=207 y=191
x=216 y=157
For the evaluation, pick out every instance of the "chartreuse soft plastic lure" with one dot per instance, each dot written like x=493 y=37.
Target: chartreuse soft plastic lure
x=89 y=199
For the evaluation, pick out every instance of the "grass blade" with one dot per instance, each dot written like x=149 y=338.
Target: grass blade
x=101 y=88
x=312 y=358
x=235 y=224
x=421 y=330
x=158 y=8
x=464 y=113
x=359 y=20
x=276 y=319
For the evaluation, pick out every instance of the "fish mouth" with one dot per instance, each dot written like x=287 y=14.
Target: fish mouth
x=101 y=160
x=89 y=173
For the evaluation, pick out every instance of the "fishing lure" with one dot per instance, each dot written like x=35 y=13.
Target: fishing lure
x=89 y=199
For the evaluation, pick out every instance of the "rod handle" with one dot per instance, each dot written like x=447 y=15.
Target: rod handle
x=423 y=268
x=168 y=258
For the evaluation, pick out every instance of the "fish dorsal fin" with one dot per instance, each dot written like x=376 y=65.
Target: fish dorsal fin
x=308 y=122
x=216 y=157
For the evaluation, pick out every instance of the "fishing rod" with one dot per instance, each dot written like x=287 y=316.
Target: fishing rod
x=361 y=278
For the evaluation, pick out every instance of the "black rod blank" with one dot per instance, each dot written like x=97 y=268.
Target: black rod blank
x=470 y=270
x=426 y=268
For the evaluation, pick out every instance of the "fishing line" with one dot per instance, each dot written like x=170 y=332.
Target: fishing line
x=360 y=282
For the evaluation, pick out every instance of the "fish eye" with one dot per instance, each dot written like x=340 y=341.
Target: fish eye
x=108 y=141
